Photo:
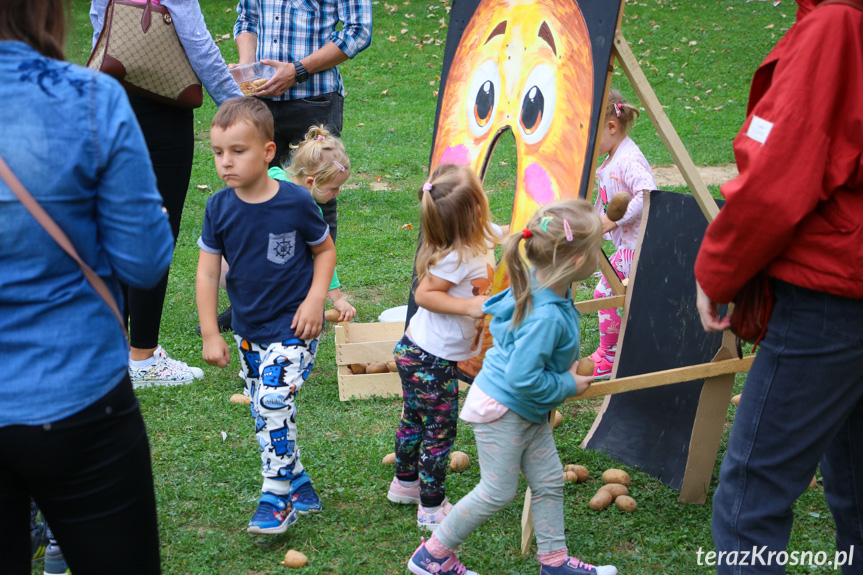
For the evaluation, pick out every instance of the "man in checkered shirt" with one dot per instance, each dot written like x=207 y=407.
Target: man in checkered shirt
x=299 y=39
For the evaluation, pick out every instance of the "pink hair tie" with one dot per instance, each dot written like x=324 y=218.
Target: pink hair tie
x=427 y=187
x=617 y=108
x=339 y=166
x=320 y=137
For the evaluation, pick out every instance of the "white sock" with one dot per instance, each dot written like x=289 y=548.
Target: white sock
x=431 y=509
x=413 y=483
x=143 y=363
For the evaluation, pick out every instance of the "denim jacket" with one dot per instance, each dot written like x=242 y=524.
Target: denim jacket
x=70 y=136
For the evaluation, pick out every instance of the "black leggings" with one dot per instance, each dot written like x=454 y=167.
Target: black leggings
x=170 y=137
x=90 y=475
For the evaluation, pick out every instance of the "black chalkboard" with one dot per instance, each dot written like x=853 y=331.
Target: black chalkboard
x=650 y=429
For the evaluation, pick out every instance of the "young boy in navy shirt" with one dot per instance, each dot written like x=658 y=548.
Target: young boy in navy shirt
x=281 y=260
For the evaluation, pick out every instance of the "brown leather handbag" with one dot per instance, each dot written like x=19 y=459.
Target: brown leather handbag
x=753 y=305
x=139 y=47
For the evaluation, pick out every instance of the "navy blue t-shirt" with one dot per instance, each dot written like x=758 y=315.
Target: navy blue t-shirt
x=267 y=248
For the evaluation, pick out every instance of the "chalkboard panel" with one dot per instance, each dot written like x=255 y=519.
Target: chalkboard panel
x=650 y=429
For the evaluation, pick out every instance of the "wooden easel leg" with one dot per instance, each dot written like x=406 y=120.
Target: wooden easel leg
x=663 y=126
x=526 y=524
x=707 y=428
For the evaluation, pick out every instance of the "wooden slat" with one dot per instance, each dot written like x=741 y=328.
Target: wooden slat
x=667 y=377
x=592 y=305
x=707 y=428
x=526 y=523
x=610 y=275
x=348 y=353
x=381 y=331
x=663 y=126
x=368 y=385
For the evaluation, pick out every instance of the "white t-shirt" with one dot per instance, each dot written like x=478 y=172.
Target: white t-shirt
x=627 y=171
x=449 y=336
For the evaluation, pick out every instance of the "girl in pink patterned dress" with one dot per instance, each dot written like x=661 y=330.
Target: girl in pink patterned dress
x=624 y=170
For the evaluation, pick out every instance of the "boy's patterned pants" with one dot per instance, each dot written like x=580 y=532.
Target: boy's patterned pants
x=427 y=429
x=274 y=374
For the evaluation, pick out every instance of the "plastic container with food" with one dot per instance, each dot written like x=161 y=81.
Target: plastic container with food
x=251 y=76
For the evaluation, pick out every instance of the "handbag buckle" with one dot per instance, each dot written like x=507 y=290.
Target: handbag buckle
x=167 y=18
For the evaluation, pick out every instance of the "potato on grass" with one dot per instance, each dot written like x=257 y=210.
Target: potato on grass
x=616 y=476
x=295 y=559
x=580 y=470
x=570 y=476
x=389 y=459
x=556 y=418
x=616 y=489
x=626 y=503
x=458 y=461
x=601 y=500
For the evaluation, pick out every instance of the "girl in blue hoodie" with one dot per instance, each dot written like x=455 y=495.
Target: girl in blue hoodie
x=530 y=370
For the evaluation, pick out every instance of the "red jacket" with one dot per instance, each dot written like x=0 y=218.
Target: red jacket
x=797 y=206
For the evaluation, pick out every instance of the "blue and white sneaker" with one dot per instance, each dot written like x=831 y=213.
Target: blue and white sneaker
x=38 y=541
x=55 y=563
x=424 y=563
x=305 y=500
x=573 y=566
x=273 y=515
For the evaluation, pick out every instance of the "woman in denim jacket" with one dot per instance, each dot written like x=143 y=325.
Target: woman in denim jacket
x=170 y=136
x=71 y=433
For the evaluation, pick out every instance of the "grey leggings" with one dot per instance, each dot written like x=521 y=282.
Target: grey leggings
x=506 y=446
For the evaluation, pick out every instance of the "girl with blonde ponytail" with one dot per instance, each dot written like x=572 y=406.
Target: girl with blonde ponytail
x=530 y=370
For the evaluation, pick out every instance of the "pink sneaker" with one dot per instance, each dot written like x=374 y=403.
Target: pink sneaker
x=424 y=563
x=601 y=365
x=432 y=521
x=400 y=494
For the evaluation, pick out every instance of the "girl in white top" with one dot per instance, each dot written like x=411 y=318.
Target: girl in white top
x=624 y=170
x=455 y=270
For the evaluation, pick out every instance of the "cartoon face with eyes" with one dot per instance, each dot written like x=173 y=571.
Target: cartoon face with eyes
x=524 y=66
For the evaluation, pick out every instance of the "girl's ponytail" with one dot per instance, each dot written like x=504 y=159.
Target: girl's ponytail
x=519 y=275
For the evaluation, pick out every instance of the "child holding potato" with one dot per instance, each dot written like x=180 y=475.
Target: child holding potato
x=530 y=370
x=455 y=270
x=624 y=170
x=320 y=164
x=282 y=259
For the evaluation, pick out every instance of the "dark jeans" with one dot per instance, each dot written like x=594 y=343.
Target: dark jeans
x=429 y=420
x=293 y=118
x=802 y=402
x=170 y=137
x=90 y=475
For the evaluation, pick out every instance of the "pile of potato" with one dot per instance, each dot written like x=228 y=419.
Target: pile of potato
x=615 y=490
x=374 y=367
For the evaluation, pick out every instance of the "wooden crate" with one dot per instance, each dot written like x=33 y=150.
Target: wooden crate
x=367 y=343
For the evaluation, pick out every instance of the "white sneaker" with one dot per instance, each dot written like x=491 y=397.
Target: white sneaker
x=432 y=521
x=164 y=371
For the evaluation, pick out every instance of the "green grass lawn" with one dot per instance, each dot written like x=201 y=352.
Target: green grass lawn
x=699 y=57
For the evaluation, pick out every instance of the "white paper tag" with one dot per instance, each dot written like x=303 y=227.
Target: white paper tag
x=759 y=129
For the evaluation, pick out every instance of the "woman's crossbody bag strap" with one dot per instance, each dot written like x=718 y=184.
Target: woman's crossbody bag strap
x=50 y=226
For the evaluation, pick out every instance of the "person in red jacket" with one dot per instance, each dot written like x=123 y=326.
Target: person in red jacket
x=796 y=211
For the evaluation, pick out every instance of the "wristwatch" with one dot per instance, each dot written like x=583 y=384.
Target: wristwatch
x=302 y=74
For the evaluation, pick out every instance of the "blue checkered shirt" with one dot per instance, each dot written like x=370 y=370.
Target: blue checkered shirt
x=289 y=30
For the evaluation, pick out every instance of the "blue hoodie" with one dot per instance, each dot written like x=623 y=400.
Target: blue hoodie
x=527 y=370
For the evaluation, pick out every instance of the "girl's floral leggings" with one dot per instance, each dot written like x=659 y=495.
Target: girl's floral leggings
x=428 y=426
